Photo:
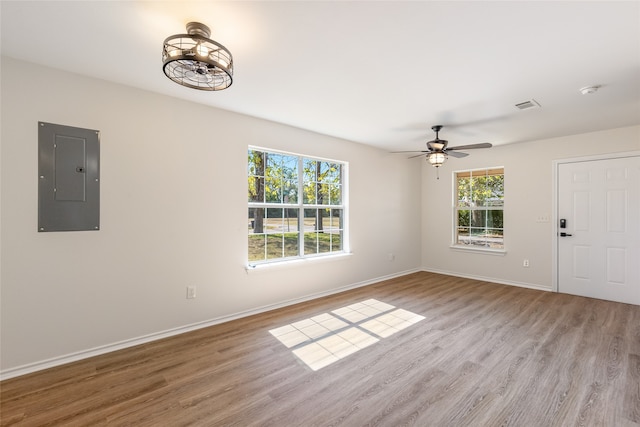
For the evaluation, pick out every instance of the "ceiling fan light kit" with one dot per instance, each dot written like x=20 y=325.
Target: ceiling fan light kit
x=437 y=158
x=195 y=61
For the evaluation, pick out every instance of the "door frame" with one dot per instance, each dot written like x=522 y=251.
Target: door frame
x=554 y=205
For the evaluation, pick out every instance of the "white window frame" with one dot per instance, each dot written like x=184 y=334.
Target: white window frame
x=301 y=206
x=454 y=229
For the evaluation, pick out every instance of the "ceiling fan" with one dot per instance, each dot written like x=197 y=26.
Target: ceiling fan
x=437 y=151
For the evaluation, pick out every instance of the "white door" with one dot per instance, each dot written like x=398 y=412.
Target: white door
x=599 y=253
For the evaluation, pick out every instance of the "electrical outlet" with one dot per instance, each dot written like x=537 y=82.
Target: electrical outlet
x=191 y=292
x=391 y=257
x=525 y=263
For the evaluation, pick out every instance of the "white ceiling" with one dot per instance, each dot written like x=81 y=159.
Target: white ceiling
x=380 y=73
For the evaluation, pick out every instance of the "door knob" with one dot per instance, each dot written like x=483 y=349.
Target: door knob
x=565 y=234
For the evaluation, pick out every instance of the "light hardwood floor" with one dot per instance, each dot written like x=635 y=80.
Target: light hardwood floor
x=484 y=355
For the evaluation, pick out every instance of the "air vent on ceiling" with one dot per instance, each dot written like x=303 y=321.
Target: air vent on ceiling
x=528 y=104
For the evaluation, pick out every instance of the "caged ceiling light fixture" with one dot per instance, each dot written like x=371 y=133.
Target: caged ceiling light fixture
x=195 y=61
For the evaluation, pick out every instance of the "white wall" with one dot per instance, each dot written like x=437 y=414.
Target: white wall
x=528 y=195
x=173 y=213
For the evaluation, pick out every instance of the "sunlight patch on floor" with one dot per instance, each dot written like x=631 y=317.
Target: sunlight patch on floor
x=321 y=340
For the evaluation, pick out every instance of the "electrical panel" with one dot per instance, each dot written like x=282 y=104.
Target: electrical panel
x=68 y=178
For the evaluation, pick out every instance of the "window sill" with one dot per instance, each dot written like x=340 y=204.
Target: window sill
x=251 y=268
x=485 y=251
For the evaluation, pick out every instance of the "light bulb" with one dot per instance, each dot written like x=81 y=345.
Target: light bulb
x=202 y=50
x=175 y=52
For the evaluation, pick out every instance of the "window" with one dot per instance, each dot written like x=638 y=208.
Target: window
x=296 y=206
x=479 y=203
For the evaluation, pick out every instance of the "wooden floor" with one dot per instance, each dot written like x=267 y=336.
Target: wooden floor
x=484 y=355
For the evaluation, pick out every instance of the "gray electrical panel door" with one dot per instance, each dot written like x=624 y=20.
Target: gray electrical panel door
x=69 y=178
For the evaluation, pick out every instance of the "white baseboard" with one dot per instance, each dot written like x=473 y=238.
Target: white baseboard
x=490 y=279
x=96 y=351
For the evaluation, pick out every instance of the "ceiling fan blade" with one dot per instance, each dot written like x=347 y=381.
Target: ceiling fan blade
x=410 y=151
x=472 y=146
x=417 y=155
x=456 y=154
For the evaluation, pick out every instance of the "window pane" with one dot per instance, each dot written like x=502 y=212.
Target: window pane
x=310 y=219
x=322 y=170
x=477 y=237
x=273 y=220
x=335 y=191
x=256 y=189
x=478 y=190
x=329 y=172
x=292 y=215
x=323 y=194
x=290 y=221
x=290 y=166
x=478 y=218
x=336 y=241
x=495 y=238
x=464 y=218
x=332 y=173
x=256 y=247
x=324 y=242
x=462 y=234
x=496 y=187
x=333 y=222
x=324 y=219
x=310 y=243
x=310 y=193
x=309 y=167
x=464 y=191
x=333 y=227
x=255 y=163
x=338 y=174
x=291 y=244
x=272 y=190
x=290 y=191
x=256 y=220
x=255 y=175
x=494 y=218
x=274 y=246
x=273 y=160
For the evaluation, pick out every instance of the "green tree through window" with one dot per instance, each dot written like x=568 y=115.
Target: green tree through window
x=479 y=208
x=295 y=206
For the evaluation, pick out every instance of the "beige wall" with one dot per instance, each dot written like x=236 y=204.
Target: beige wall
x=528 y=195
x=173 y=213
